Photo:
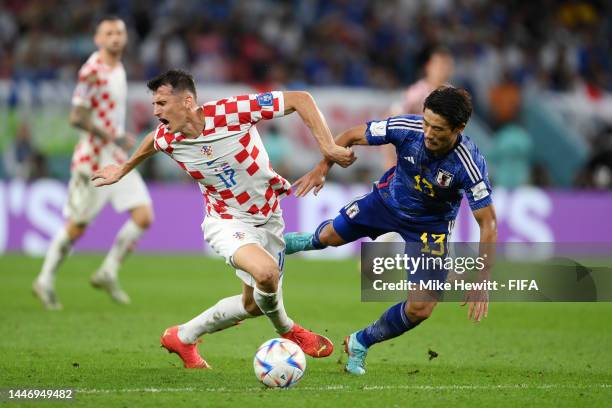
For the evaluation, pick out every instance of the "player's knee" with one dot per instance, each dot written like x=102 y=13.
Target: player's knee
x=267 y=276
x=419 y=311
x=143 y=217
x=75 y=231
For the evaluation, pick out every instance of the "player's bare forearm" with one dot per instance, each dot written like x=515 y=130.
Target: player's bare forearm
x=80 y=118
x=304 y=104
x=113 y=173
x=479 y=299
x=487 y=222
x=144 y=151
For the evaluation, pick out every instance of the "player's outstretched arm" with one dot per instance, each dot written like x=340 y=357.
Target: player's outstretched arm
x=479 y=300
x=113 y=173
x=304 y=104
x=315 y=179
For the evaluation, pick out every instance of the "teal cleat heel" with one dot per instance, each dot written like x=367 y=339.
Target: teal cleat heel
x=356 y=355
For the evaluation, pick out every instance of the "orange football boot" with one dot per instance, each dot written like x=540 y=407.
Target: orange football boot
x=187 y=352
x=313 y=344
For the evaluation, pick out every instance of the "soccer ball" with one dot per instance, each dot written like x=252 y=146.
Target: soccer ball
x=279 y=363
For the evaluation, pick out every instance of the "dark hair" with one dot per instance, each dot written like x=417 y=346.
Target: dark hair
x=107 y=17
x=453 y=104
x=179 y=81
x=438 y=50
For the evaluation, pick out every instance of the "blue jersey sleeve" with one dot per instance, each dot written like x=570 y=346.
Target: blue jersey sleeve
x=475 y=179
x=393 y=130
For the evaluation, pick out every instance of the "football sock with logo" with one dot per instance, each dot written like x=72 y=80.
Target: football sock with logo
x=392 y=323
x=225 y=313
x=57 y=252
x=271 y=305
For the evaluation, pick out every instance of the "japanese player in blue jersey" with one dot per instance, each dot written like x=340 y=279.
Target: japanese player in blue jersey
x=418 y=198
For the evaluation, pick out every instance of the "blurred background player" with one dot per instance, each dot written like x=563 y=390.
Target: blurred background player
x=438 y=70
x=419 y=199
x=218 y=145
x=98 y=110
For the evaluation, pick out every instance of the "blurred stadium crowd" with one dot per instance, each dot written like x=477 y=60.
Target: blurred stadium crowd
x=505 y=52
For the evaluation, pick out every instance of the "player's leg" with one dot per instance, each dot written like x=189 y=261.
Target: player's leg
x=83 y=203
x=264 y=269
x=130 y=194
x=403 y=316
x=394 y=322
x=358 y=219
x=226 y=237
x=227 y=312
x=59 y=248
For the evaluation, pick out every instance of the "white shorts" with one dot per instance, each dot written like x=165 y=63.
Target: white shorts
x=85 y=201
x=226 y=236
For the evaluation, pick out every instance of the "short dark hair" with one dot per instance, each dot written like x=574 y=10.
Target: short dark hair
x=178 y=79
x=107 y=17
x=453 y=104
x=438 y=50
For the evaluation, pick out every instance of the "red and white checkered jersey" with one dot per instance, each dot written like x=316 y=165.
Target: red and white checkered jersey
x=103 y=89
x=228 y=158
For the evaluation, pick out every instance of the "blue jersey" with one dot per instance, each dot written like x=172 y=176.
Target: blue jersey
x=422 y=187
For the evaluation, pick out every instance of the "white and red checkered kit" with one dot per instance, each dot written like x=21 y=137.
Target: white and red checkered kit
x=228 y=158
x=103 y=89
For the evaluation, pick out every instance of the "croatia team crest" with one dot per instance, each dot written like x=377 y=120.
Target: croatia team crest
x=265 y=99
x=444 y=178
x=207 y=151
x=239 y=235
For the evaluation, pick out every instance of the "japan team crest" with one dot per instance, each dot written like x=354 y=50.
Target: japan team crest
x=444 y=178
x=207 y=151
x=352 y=211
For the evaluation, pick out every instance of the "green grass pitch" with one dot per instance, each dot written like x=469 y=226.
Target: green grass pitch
x=524 y=354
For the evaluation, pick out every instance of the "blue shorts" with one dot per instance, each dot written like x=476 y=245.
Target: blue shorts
x=368 y=216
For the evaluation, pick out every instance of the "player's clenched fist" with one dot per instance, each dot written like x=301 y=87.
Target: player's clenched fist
x=344 y=156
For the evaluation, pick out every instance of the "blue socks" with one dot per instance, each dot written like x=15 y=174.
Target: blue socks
x=392 y=323
x=316 y=241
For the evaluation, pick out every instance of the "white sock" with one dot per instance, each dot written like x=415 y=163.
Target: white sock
x=272 y=306
x=57 y=252
x=123 y=245
x=226 y=313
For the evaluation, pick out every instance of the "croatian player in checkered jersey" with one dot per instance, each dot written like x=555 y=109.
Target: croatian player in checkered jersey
x=418 y=198
x=98 y=111
x=218 y=145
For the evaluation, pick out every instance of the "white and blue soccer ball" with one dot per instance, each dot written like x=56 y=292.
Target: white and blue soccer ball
x=279 y=363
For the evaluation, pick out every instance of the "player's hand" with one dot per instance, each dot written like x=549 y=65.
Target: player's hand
x=313 y=179
x=106 y=176
x=344 y=156
x=478 y=301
